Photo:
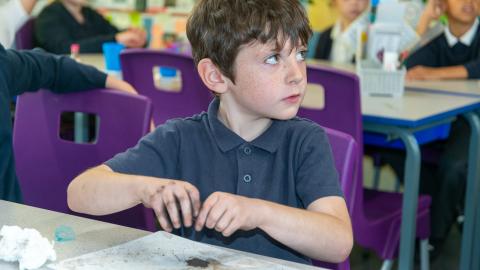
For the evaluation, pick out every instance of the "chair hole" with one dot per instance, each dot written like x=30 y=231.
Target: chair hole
x=314 y=97
x=79 y=127
x=167 y=79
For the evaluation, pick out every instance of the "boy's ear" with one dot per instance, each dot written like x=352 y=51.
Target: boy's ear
x=211 y=76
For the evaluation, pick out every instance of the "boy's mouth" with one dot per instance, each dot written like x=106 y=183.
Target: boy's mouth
x=293 y=98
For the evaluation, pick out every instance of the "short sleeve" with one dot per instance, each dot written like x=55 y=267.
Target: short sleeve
x=155 y=155
x=317 y=176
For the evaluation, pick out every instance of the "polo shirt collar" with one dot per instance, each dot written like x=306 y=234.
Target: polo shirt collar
x=228 y=140
x=465 y=39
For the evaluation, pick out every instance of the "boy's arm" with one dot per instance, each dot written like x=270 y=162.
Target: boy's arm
x=32 y=70
x=321 y=232
x=438 y=73
x=101 y=191
x=432 y=12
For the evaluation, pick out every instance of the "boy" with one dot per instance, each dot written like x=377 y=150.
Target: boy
x=455 y=53
x=337 y=43
x=245 y=167
x=28 y=71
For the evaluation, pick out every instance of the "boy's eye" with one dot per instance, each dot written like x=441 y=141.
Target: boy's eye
x=272 y=60
x=301 y=55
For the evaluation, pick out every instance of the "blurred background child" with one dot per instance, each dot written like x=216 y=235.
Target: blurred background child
x=337 y=43
x=65 y=22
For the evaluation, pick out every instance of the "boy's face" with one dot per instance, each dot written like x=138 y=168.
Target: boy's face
x=350 y=9
x=268 y=83
x=464 y=11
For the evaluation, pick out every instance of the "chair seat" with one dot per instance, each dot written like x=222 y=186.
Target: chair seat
x=383 y=215
x=385 y=205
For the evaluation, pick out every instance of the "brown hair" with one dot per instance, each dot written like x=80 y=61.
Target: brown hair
x=217 y=28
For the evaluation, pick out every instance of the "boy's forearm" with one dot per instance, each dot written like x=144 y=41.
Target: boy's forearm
x=317 y=235
x=453 y=72
x=100 y=191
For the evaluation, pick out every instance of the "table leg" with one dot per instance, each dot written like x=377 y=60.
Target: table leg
x=471 y=194
x=81 y=127
x=410 y=200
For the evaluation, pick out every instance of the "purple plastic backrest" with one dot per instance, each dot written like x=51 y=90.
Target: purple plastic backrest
x=46 y=163
x=345 y=152
x=194 y=96
x=24 y=36
x=341 y=112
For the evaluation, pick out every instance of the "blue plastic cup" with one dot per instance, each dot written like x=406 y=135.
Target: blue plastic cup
x=168 y=72
x=111 y=52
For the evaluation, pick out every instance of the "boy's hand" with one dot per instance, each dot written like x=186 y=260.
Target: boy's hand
x=168 y=200
x=420 y=73
x=227 y=213
x=434 y=9
x=131 y=38
x=115 y=83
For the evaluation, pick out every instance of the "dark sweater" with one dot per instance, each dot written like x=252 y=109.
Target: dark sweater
x=28 y=71
x=56 y=29
x=437 y=53
x=324 y=45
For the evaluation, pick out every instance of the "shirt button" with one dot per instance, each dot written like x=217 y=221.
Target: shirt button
x=247 y=150
x=247 y=178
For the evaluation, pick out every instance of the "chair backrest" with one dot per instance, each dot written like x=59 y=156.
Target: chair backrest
x=46 y=163
x=345 y=153
x=193 y=97
x=341 y=111
x=24 y=36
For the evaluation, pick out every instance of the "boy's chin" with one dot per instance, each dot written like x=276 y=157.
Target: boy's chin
x=285 y=116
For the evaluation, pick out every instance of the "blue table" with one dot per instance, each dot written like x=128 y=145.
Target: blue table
x=416 y=111
x=428 y=104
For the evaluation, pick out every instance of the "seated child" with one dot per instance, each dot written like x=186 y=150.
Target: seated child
x=337 y=43
x=247 y=174
x=454 y=54
x=65 y=22
x=28 y=71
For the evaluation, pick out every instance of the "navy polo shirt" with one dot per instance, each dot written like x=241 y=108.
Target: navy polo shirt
x=290 y=163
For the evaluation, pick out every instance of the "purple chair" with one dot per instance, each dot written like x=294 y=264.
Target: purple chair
x=193 y=97
x=376 y=215
x=46 y=163
x=345 y=153
x=24 y=36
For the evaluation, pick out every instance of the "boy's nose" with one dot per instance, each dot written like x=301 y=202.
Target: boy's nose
x=295 y=73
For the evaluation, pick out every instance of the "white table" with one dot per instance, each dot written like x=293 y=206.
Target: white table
x=453 y=87
x=91 y=235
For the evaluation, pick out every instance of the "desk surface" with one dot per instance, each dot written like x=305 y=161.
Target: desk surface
x=91 y=235
x=415 y=107
x=95 y=60
x=454 y=87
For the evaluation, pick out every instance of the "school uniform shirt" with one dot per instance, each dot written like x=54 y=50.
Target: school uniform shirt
x=28 y=71
x=290 y=163
x=12 y=17
x=56 y=29
x=340 y=46
x=448 y=50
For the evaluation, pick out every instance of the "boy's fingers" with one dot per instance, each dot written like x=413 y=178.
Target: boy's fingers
x=230 y=229
x=195 y=199
x=185 y=205
x=162 y=218
x=204 y=211
x=224 y=221
x=215 y=215
x=172 y=209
